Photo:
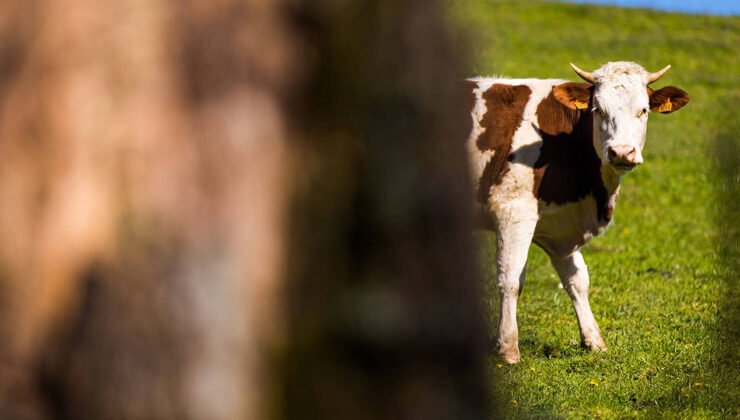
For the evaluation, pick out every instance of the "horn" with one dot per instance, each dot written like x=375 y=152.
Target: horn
x=584 y=74
x=658 y=74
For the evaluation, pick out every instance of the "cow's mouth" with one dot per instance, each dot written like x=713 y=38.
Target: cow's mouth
x=624 y=167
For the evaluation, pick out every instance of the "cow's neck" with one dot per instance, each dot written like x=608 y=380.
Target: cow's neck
x=610 y=179
x=568 y=168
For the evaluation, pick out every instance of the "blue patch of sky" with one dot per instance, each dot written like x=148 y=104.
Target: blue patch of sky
x=712 y=7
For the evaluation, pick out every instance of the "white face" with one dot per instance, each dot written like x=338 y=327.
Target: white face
x=620 y=110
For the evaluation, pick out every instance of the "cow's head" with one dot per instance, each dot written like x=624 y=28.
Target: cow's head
x=620 y=99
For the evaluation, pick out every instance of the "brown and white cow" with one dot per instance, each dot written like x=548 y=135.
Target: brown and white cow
x=547 y=157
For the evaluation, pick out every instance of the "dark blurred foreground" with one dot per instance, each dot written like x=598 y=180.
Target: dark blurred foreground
x=234 y=209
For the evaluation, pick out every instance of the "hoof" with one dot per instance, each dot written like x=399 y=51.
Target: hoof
x=595 y=346
x=510 y=356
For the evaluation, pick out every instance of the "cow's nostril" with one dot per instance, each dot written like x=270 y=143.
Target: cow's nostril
x=611 y=152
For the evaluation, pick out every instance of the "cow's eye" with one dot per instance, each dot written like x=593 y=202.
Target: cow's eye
x=642 y=112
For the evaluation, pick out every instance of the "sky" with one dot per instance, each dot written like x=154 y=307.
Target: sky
x=714 y=7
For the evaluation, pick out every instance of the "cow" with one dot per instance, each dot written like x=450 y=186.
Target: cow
x=547 y=157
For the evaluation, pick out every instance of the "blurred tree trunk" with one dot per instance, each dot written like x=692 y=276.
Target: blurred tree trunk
x=150 y=155
x=385 y=318
x=142 y=182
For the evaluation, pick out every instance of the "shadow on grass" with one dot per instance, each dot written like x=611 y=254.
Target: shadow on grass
x=539 y=348
x=726 y=150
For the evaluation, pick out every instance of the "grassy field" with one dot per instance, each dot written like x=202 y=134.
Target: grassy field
x=664 y=277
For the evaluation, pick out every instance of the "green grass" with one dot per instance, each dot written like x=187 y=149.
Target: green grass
x=664 y=276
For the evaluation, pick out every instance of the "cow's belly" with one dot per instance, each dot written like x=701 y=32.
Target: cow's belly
x=563 y=229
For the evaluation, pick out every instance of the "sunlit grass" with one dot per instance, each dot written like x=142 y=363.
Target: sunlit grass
x=664 y=276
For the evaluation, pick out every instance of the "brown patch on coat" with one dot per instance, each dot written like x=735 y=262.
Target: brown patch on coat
x=568 y=168
x=505 y=108
x=539 y=173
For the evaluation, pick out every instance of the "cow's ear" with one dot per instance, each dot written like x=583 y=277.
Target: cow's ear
x=668 y=99
x=574 y=95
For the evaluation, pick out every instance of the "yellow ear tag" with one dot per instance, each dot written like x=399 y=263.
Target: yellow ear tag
x=580 y=104
x=666 y=106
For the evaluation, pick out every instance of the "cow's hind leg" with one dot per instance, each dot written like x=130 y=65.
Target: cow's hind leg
x=574 y=276
x=514 y=236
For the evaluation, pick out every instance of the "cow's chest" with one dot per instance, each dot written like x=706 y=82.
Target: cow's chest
x=563 y=229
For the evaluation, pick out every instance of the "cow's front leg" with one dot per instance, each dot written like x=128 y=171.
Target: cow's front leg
x=574 y=276
x=514 y=236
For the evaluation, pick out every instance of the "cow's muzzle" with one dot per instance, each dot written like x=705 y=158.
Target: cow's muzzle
x=623 y=157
